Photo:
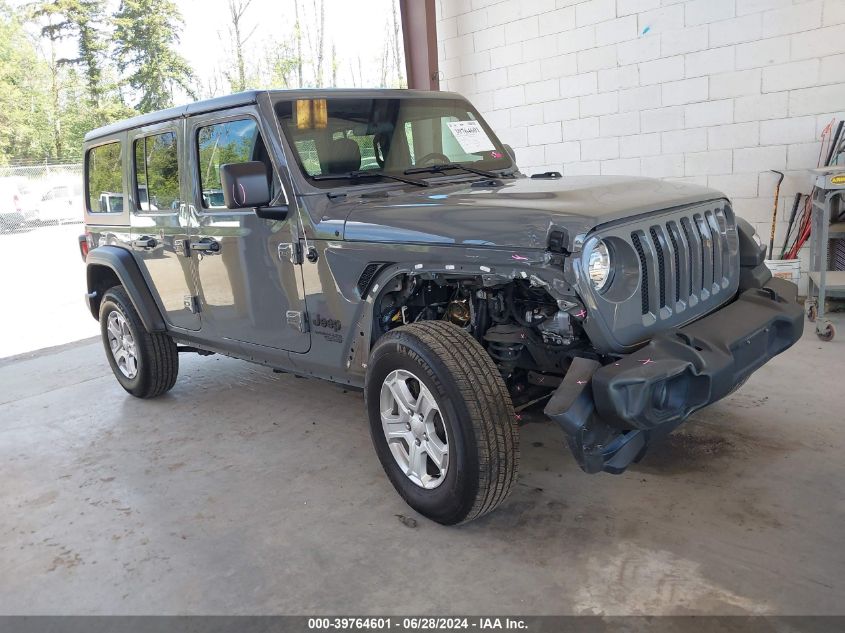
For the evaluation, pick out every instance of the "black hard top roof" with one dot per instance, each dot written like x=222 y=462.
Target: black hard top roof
x=250 y=97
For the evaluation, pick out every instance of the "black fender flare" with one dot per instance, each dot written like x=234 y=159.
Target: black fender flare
x=125 y=268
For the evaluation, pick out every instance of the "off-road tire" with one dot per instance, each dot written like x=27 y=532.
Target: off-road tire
x=158 y=359
x=476 y=409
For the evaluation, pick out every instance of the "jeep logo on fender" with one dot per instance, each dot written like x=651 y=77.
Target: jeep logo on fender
x=331 y=324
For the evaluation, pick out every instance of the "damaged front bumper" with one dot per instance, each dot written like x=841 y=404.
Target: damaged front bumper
x=612 y=412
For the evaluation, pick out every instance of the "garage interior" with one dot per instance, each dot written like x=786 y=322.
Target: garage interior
x=242 y=491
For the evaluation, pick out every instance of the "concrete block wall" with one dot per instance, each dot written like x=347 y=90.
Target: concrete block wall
x=714 y=92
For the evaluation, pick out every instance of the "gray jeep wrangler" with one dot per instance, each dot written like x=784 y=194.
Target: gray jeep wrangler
x=386 y=240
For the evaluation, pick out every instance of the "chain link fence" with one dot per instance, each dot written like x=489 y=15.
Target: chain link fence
x=39 y=195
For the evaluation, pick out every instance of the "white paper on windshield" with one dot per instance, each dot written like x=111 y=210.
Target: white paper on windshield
x=471 y=136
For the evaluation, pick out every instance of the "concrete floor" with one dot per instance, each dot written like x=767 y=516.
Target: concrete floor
x=245 y=492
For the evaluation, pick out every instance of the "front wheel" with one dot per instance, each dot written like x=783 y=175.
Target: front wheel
x=442 y=422
x=145 y=363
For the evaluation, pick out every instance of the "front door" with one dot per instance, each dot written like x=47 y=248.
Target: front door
x=251 y=289
x=159 y=227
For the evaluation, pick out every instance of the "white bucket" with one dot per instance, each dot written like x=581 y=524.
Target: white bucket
x=789 y=269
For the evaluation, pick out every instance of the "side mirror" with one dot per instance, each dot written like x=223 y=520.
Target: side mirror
x=245 y=185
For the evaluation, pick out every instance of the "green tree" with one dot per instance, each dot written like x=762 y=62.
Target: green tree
x=145 y=37
x=82 y=20
x=319 y=46
x=283 y=65
x=237 y=10
x=80 y=91
x=78 y=118
x=55 y=85
x=297 y=33
x=24 y=124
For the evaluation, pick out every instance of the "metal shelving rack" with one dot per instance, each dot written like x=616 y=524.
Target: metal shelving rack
x=826 y=225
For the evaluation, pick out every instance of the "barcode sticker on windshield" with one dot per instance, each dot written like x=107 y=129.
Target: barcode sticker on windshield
x=471 y=136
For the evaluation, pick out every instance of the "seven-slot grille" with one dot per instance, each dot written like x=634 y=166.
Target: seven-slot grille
x=684 y=260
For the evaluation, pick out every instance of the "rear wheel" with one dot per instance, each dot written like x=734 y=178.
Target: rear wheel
x=145 y=363
x=441 y=421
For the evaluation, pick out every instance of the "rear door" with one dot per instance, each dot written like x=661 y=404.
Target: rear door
x=251 y=287
x=159 y=223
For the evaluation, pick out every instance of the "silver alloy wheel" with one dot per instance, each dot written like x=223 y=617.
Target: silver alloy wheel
x=122 y=344
x=414 y=429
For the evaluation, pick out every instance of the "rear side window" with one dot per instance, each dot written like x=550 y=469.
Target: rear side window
x=221 y=144
x=157 y=173
x=105 y=179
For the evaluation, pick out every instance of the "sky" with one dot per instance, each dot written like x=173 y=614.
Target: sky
x=357 y=28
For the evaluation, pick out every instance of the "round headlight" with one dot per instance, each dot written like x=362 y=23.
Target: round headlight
x=598 y=266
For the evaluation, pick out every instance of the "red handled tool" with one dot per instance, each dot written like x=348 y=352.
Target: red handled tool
x=775 y=212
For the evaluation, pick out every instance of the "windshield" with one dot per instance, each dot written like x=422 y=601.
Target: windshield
x=342 y=135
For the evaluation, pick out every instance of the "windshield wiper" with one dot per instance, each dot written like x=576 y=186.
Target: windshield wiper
x=436 y=169
x=358 y=174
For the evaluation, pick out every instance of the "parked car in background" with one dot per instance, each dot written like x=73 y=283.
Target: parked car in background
x=111 y=202
x=17 y=203
x=61 y=202
x=144 y=199
x=213 y=198
x=10 y=209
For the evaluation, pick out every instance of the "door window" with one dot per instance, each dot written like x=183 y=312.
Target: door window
x=157 y=173
x=221 y=144
x=105 y=179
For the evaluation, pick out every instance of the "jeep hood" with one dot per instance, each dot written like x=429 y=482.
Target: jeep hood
x=518 y=213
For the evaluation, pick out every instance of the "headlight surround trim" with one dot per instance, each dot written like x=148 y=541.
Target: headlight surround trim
x=599 y=265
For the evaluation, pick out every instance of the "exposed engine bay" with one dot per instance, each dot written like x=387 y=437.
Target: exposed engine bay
x=529 y=335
